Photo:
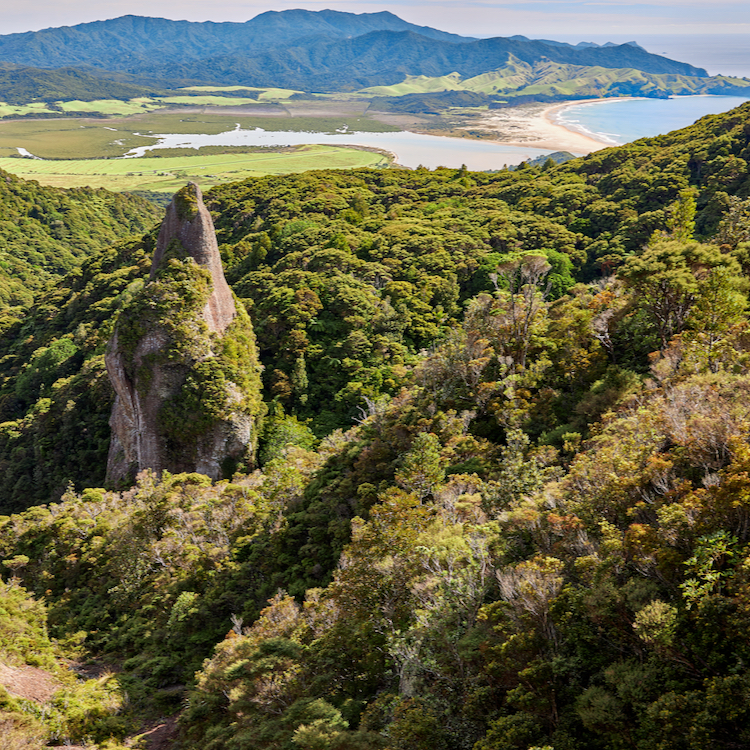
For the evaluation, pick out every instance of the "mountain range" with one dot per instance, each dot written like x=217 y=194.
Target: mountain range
x=325 y=51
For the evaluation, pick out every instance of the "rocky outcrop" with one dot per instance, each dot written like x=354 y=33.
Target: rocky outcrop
x=182 y=360
x=189 y=223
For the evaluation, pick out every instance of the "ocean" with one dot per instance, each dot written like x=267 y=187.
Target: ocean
x=623 y=120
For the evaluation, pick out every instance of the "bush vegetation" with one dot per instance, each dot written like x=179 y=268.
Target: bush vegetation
x=502 y=500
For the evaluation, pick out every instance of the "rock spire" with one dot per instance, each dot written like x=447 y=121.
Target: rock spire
x=182 y=360
x=189 y=223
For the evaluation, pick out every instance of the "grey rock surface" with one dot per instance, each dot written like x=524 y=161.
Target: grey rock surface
x=152 y=371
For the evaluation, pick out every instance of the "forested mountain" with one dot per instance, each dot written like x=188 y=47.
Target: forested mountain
x=46 y=232
x=330 y=51
x=502 y=500
x=117 y=42
x=312 y=51
x=22 y=84
x=387 y=57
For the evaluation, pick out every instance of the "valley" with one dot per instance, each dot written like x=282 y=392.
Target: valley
x=84 y=151
x=447 y=507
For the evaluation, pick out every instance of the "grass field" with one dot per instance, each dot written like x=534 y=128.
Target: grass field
x=111 y=106
x=117 y=107
x=68 y=139
x=79 y=138
x=208 y=100
x=203 y=96
x=417 y=85
x=7 y=110
x=265 y=94
x=169 y=173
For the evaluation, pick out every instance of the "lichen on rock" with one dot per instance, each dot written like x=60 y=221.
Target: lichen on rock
x=183 y=361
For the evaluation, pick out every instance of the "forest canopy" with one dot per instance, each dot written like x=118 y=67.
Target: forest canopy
x=501 y=502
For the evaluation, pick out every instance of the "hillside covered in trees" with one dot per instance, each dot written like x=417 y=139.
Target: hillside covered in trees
x=46 y=232
x=502 y=491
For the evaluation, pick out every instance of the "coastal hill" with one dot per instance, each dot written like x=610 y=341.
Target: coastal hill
x=348 y=276
x=503 y=489
x=323 y=51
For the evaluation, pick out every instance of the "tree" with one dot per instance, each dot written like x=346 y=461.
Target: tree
x=666 y=279
x=524 y=301
x=682 y=221
x=423 y=468
x=718 y=311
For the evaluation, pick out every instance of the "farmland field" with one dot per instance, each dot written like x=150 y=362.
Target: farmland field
x=68 y=139
x=207 y=100
x=111 y=106
x=169 y=173
x=21 y=110
x=78 y=151
x=92 y=138
x=264 y=94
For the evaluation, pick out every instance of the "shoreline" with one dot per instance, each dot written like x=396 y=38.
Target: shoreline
x=533 y=126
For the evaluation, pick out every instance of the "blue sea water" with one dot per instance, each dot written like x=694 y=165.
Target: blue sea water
x=621 y=122
x=624 y=120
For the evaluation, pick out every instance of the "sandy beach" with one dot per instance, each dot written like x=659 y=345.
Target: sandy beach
x=533 y=125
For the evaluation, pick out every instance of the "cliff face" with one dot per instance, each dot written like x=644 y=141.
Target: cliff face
x=182 y=360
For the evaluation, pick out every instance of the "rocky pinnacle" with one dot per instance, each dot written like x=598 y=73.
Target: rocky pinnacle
x=188 y=221
x=187 y=398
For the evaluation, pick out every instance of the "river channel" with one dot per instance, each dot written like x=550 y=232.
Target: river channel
x=410 y=149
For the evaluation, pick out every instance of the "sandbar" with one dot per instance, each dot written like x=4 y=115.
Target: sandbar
x=533 y=125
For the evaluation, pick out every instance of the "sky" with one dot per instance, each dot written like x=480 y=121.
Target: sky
x=589 y=20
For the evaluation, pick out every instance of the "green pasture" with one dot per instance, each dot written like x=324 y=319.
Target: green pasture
x=145 y=104
x=111 y=106
x=78 y=138
x=207 y=100
x=417 y=85
x=169 y=173
x=264 y=95
x=21 y=110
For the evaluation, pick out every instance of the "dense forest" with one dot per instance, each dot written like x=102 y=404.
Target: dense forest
x=21 y=85
x=501 y=493
x=46 y=232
